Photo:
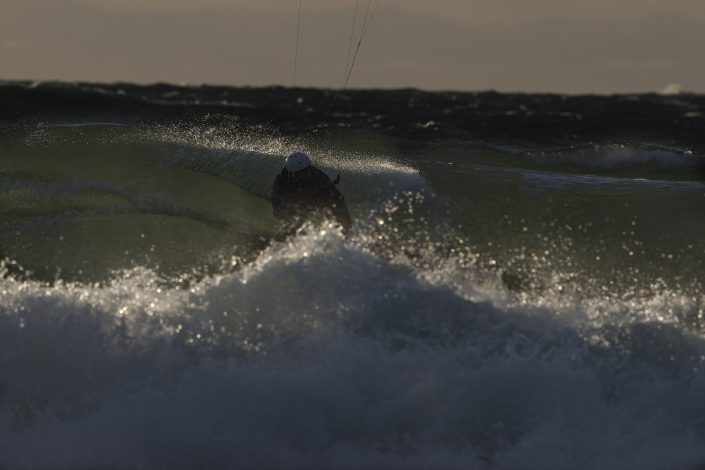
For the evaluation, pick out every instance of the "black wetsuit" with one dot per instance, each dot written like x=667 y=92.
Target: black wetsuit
x=294 y=200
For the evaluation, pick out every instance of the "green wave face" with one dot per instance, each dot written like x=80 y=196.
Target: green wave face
x=81 y=201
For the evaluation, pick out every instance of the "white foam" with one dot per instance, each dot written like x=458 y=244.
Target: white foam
x=322 y=355
x=615 y=156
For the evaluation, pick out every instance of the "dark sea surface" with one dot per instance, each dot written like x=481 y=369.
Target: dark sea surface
x=522 y=286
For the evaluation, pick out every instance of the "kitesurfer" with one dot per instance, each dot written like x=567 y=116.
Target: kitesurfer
x=301 y=190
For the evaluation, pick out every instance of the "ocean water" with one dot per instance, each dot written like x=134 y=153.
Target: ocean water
x=522 y=287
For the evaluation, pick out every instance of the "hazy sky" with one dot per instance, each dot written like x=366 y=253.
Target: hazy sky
x=571 y=46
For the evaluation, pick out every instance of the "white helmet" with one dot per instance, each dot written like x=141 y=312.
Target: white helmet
x=297 y=161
